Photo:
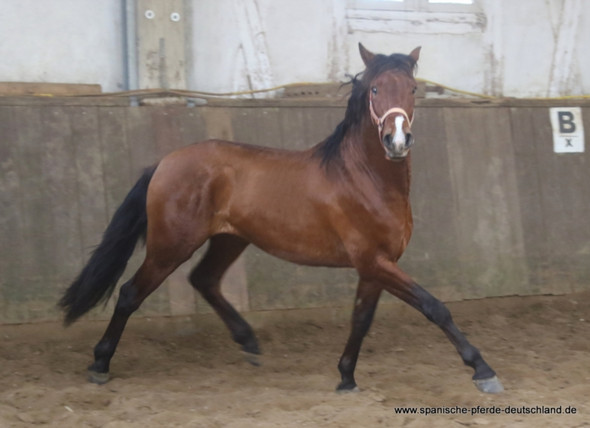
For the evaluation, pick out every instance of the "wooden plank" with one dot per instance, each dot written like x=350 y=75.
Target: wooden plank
x=217 y=123
x=192 y=126
x=275 y=102
x=527 y=134
x=337 y=102
x=267 y=129
x=480 y=103
x=114 y=180
x=161 y=44
x=61 y=101
x=319 y=124
x=490 y=197
x=313 y=90
x=61 y=192
x=235 y=283
x=85 y=131
x=242 y=120
x=166 y=132
x=432 y=257
x=176 y=126
x=42 y=88
x=170 y=125
x=292 y=125
x=27 y=125
x=483 y=179
x=563 y=199
x=141 y=139
x=50 y=211
x=12 y=252
x=117 y=173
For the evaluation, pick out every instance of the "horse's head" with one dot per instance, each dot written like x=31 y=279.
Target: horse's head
x=390 y=88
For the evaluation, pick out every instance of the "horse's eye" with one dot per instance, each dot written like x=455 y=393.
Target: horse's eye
x=414 y=90
x=374 y=90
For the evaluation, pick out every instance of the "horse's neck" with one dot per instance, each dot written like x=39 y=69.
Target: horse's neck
x=365 y=154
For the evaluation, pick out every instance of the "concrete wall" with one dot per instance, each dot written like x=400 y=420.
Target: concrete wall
x=496 y=211
x=519 y=48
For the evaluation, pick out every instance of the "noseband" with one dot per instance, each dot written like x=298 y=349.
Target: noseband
x=379 y=121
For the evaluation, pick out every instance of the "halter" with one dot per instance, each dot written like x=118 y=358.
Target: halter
x=379 y=121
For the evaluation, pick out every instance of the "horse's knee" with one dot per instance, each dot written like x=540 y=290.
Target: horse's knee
x=127 y=303
x=193 y=278
x=204 y=284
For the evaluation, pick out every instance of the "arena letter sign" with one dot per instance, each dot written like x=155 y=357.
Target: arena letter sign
x=568 y=129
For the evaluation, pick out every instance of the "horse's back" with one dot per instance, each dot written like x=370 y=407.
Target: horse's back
x=274 y=198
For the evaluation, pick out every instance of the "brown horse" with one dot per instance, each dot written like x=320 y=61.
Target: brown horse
x=343 y=203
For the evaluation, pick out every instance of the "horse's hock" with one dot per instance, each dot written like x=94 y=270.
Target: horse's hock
x=496 y=211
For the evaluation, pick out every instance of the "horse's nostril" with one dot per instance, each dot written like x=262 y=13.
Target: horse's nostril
x=388 y=140
x=409 y=139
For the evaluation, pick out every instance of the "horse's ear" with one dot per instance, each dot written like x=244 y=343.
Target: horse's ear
x=415 y=54
x=366 y=55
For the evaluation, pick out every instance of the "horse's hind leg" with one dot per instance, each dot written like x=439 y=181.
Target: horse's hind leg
x=402 y=286
x=206 y=278
x=148 y=277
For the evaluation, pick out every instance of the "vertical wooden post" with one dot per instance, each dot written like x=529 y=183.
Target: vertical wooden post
x=161 y=27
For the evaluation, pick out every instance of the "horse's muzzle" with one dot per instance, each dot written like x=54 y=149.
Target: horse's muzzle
x=398 y=145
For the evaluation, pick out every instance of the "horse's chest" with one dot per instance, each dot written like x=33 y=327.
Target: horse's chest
x=396 y=226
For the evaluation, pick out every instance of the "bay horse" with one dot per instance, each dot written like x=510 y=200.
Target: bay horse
x=342 y=203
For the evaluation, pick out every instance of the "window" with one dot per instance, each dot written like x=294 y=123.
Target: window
x=435 y=1
x=451 y=1
x=417 y=5
x=415 y=16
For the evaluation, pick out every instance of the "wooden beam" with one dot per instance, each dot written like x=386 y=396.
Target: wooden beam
x=161 y=44
x=404 y=22
x=42 y=88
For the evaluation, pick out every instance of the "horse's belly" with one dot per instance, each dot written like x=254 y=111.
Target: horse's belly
x=310 y=255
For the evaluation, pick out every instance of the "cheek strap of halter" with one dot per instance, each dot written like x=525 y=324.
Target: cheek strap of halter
x=380 y=121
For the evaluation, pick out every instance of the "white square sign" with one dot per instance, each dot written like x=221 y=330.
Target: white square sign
x=568 y=129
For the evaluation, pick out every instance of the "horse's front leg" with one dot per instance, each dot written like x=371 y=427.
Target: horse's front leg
x=367 y=296
x=402 y=286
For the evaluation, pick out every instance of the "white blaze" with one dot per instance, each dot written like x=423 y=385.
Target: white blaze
x=399 y=139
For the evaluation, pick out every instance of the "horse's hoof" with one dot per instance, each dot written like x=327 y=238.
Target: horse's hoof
x=345 y=387
x=491 y=385
x=347 y=390
x=98 y=378
x=252 y=358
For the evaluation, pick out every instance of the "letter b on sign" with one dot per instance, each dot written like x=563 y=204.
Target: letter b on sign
x=568 y=129
x=566 y=122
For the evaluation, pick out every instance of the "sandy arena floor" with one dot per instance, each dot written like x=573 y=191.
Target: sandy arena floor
x=186 y=372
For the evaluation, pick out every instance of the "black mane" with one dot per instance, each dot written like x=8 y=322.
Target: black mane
x=357 y=106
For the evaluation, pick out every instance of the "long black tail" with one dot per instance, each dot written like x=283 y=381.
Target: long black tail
x=99 y=277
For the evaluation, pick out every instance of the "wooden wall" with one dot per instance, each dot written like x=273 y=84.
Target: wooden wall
x=496 y=211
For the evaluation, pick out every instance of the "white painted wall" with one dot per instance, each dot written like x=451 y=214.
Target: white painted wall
x=512 y=53
x=64 y=41
x=524 y=48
